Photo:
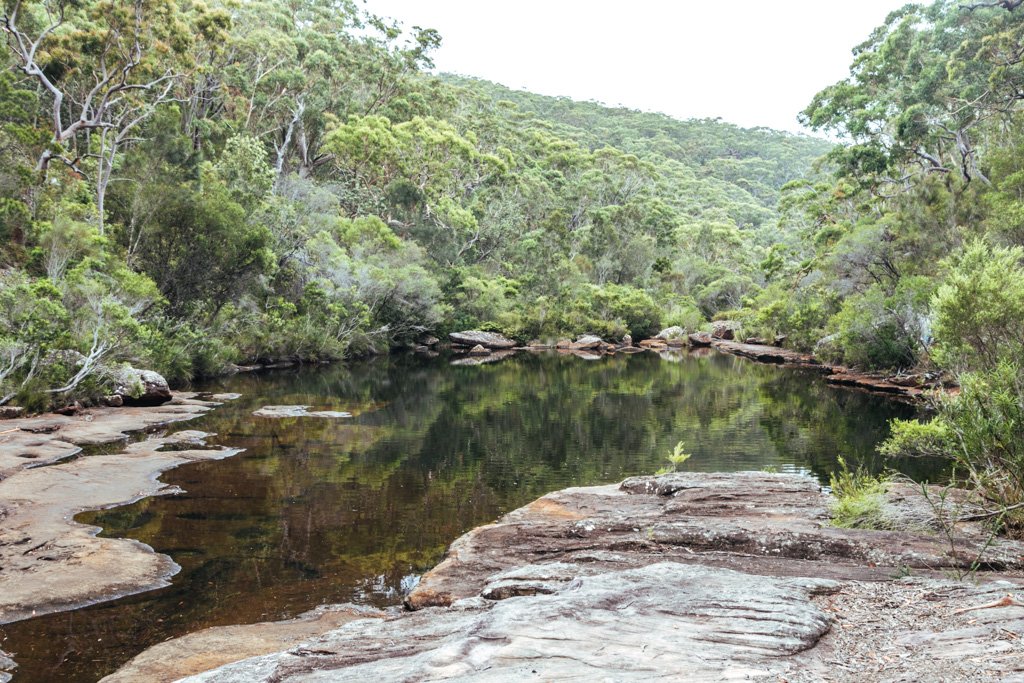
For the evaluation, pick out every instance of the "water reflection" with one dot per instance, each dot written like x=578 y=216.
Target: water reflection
x=318 y=511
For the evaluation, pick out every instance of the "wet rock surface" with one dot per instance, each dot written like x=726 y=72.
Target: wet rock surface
x=27 y=442
x=700 y=576
x=278 y=412
x=50 y=563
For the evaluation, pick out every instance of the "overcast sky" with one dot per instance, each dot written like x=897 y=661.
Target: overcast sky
x=751 y=62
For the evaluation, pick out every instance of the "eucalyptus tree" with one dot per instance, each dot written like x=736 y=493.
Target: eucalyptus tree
x=103 y=68
x=926 y=93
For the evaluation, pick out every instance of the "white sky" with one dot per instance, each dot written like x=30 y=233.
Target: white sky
x=751 y=62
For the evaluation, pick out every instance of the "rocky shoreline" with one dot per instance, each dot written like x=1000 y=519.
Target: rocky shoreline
x=475 y=347
x=49 y=562
x=720 y=576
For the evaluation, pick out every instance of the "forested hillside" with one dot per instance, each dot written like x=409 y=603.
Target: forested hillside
x=189 y=185
x=911 y=254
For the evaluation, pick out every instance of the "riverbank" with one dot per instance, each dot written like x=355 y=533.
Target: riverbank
x=489 y=347
x=50 y=563
x=720 y=576
x=906 y=387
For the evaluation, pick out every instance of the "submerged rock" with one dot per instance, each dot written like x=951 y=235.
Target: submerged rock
x=489 y=340
x=7 y=667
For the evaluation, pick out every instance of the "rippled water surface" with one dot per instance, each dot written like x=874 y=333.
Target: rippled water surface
x=353 y=510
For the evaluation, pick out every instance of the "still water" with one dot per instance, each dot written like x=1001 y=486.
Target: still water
x=321 y=511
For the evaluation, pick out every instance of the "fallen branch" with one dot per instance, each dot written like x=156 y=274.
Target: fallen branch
x=1005 y=601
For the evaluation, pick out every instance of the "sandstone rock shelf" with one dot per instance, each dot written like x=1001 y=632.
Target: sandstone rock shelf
x=50 y=563
x=702 y=576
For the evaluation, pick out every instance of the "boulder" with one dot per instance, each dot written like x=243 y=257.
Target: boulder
x=11 y=412
x=429 y=340
x=488 y=340
x=700 y=339
x=725 y=329
x=674 y=332
x=479 y=350
x=588 y=341
x=563 y=344
x=141 y=388
x=69 y=409
x=653 y=344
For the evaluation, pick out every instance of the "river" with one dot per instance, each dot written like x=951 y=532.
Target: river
x=319 y=510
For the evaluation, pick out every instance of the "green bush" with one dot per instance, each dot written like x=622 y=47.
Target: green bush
x=981 y=430
x=857 y=498
x=683 y=312
x=979 y=309
x=876 y=330
x=625 y=308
